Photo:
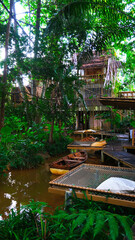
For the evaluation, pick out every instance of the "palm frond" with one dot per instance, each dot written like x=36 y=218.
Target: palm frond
x=112 y=11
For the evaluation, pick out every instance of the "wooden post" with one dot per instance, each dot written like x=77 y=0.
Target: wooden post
x=68 y=200
x=82 y=121
x=118 y=163
x=102 y=135
x=102 y=156
x=85 y=120
x=77 y=120
x=133 y=137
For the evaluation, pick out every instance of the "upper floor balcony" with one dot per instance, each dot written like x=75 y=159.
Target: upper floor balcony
x=126 y=94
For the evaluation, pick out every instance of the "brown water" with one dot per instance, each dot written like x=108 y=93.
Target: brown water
x=18 y=187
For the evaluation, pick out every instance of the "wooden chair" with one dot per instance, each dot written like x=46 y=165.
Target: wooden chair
x=133 y=137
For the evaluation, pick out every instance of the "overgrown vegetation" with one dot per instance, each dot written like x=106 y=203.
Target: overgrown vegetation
x=84 y=220
x=56 y=32
x=21 y=144
x=120 y=122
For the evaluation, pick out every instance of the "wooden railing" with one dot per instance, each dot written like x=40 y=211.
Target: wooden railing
x=126 y=94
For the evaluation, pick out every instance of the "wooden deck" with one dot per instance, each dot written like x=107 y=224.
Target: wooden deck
x=101 y=134
x=84 y=146
x=119 y=103
x=123 y=157
x=87 y=177
x=127 y=147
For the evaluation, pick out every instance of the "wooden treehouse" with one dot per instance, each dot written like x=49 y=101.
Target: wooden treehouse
x=95 y=71
x=125 y=105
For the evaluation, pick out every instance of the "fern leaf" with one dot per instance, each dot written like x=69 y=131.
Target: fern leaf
x=99 y=224
x=126 y=226
x=72 y=216
x=113 y=226
x=79 y=220
x=61 y=215
x=89 y=223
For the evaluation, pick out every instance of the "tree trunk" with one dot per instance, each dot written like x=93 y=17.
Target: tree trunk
x=4 y=80
x=17 y=50
x=36 y=44
x=34 y=83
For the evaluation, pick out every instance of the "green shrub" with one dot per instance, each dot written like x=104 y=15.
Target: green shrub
x=24 y=155
x=33 y=223
x=4 y=160
x=23 y=225
x=21 y=144
x=59 y=146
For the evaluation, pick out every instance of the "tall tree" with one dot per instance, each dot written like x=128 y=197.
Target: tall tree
x=73 y=26
x=4 y=79
x=109 y=22
x=37 y=32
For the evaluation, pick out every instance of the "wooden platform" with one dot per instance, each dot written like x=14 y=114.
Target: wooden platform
x=87 y=177
x=126 y=147
x=123 y=157
x=119 y=103
x=101 y=134
x=83 y=145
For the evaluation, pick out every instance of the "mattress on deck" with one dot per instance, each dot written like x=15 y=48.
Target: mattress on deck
x=87 y=177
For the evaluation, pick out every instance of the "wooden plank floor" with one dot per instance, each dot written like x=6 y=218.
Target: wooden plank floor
x=125 y=158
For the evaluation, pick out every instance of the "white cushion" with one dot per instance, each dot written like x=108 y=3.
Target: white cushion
x=116 y=184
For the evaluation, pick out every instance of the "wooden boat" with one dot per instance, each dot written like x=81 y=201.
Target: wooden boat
x=66 y=163
x=88 y=139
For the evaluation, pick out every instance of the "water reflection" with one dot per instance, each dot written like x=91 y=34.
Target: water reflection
x=18 y=187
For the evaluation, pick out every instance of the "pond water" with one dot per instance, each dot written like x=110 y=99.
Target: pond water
x=18 y=187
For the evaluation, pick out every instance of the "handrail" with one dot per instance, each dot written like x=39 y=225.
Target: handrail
x=128 y=94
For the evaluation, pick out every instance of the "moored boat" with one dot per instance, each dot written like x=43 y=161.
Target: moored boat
x=66 y=163
x=88 y=139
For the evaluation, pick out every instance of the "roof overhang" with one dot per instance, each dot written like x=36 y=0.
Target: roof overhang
x=119 y=103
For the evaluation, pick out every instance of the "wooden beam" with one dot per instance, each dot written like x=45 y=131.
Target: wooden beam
x=84 y=147
x=96 y=198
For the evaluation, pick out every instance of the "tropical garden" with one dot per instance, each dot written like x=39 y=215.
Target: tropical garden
x=38 y=40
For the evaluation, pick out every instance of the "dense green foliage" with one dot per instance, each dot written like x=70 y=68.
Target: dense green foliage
x=56 y=30
x=85 y=220
x=119 y=122
x=21 y=144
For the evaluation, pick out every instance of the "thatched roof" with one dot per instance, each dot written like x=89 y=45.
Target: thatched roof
x=95 y=60
x=98 y=62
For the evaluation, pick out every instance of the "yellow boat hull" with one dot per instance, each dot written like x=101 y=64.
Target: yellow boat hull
x=58 y=171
